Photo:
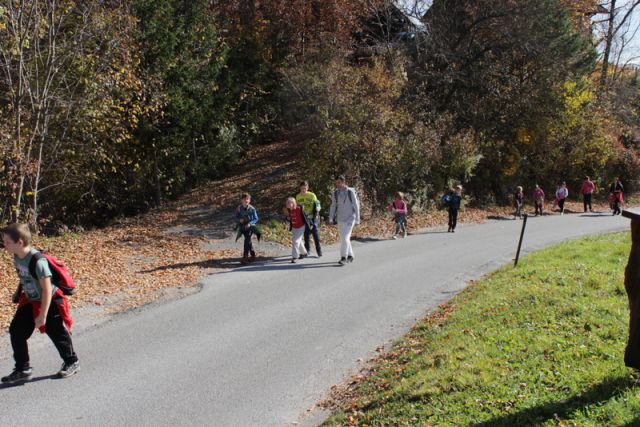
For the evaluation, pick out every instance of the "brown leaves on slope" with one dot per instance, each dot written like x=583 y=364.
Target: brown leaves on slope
x=121 y=267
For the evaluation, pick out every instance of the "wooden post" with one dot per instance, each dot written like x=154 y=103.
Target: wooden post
x=632 y=286
x=524 y=225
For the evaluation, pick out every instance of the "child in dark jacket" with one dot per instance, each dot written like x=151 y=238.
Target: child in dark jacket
x=538 y=199
x=455 y=201
x=247 y=220
x=518 y=202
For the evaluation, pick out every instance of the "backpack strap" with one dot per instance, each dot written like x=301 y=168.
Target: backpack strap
x=32 y=263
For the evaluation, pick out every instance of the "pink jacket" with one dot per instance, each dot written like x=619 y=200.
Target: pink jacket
x=587 y=187
x=399 y=205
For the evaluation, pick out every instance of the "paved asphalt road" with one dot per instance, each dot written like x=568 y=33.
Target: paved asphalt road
x=259 y=345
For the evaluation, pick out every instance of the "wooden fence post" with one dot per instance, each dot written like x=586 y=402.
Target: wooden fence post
x=632 y=286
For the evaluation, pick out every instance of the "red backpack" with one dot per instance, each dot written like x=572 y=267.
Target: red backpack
x=60 y=276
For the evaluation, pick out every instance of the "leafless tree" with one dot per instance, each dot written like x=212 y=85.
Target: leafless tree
x=44 y=39
x=616 y=27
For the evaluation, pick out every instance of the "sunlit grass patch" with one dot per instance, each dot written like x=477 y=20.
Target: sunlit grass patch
x=541 y=344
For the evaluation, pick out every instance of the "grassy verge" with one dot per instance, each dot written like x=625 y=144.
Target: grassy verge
x=538 y=345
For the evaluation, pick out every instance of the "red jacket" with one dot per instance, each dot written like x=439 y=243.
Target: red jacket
x=587 y=187
x=63 y=307
x=296 y=218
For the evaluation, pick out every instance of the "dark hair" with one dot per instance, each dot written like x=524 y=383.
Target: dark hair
x=587 y=178
x=341 y=178
x=245 y=196
x=303 y=183
x=18 y=232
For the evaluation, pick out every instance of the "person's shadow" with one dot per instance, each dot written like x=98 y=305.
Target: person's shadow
x=32 y=380
x=552 y=411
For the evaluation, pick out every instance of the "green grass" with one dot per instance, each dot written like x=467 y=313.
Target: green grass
x=538 y=345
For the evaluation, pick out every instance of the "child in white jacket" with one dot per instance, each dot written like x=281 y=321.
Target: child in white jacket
x=345 y=209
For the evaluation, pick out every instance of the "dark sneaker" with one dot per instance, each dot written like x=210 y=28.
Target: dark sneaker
x=319 y=254
x=342 y=261
x=244 y=260
x=349 y=258
x=252 y=258
x=302 y=256
x=18 y=376
x=69 y=369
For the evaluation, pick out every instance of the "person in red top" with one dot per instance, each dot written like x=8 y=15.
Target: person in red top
x=298 y=221
x=399 y=208
x=588 y=187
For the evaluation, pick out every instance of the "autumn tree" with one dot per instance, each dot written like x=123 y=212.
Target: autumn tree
x=183 y=58
x=40 y=44
x=497 y=67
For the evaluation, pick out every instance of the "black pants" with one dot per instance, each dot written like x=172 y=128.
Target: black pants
x=587 y=202
x=561 y=204
x=453 y=218
x=616 y=207
x=248 y=244
x=308 y=232
x=538 y=208
x=22 y=327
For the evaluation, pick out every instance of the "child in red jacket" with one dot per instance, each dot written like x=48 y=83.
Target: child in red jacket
x=299 y=224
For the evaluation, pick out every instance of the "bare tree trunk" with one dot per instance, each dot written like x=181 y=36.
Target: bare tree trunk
x=608 y=42
x=156 y=177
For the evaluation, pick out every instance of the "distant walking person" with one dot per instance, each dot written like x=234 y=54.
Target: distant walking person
x=538 y=199
x=616 y=196
x=518 y=202
x=588 y=187
x=399 y=208
x=299 y=224
x=455 y=201
x=561 y=196
x=345 y=209
x=247 y=220
x=311 y=206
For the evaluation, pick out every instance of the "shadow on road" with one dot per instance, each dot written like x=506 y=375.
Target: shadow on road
x=231 y=262
x=288 y=266
x=32 y=380
x=552 y=411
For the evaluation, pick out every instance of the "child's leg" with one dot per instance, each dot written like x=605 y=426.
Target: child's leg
x=345 y=229
x=454 y=219
x=301 y=247
x=297 y=246
x=59 y=335
x=316 y=238
x=248 y=246
x=307 y=233
x=21 y=328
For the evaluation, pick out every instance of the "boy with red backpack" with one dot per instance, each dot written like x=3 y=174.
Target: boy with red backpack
x=41 y=304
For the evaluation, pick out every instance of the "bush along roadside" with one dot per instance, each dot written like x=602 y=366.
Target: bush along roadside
x=538 y=345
